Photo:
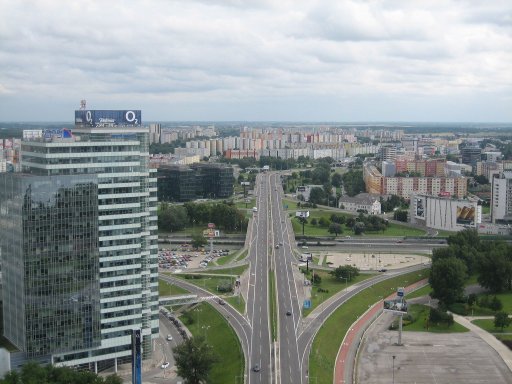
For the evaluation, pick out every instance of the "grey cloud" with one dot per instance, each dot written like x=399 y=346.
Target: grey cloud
x=237 y=52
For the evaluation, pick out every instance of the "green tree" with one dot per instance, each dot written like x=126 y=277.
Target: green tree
x=353 y=182
x=33 y=373
x=437 y=316
x=447 y=278
x=194 y=360
x=316 y=195
x=501 y=320
x=496 y=304
x=495 y=267
x=340 y=219
x=320 y=175
x=400 y=215
x=335 y=228
x=336 y=180
x=198 y=240
x=359 y=228
x=172 y=217
x=345 y=272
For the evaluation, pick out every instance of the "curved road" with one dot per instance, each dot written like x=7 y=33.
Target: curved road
x=287 y=359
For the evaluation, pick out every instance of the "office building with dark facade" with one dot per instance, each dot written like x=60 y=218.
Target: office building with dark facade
x=470 y=155
x=79 y=243
x=200 y=180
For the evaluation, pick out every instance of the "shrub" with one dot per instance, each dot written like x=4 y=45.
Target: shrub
x=224 y=286
x=437 y=316
x=496 y=304
x=459 y=309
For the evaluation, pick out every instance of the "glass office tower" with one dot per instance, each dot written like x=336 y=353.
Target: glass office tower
x=107 y=153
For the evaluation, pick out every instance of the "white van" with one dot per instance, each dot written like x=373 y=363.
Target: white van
x=254 y=209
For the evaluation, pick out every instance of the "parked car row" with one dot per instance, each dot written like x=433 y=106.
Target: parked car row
x=171 y=260
x=215 y=253
x=178 y=326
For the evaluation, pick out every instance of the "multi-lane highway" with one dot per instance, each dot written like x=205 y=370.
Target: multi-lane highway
x=271 y=243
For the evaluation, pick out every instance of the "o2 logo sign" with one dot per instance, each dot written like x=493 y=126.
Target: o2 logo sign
x=131 y=117
x=108 y=118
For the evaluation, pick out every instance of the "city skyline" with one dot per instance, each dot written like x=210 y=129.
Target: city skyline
x=258 y=60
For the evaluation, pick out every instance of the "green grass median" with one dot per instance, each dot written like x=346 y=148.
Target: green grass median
x=328 y=339
x=273 y=304
x=237 y=302
x=168 y=289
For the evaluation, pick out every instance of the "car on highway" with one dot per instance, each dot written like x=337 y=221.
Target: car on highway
x=221 y=302
x=169 y=337
x=305 y=247
x=288 y=313
x=256 y=368
x=399 y=241
x=277 y=246
x=383 y=270
x=165 y=365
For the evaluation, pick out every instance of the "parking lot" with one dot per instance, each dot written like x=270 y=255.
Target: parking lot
x=424 y=357
x=179 y=258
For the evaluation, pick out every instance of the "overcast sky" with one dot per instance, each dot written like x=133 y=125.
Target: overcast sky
x=279 y=60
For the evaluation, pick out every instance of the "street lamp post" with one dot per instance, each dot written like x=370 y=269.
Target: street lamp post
x=205 y=329
x=394 y=369
x=346 y=282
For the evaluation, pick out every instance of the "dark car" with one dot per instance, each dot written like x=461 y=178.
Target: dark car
x=256 y=368
x=288 y=313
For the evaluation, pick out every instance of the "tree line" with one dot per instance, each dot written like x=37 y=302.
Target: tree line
x=467 y=255
x=33 y=373
x=225 y=215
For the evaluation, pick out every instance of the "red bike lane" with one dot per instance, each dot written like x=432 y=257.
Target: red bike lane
x=361 y=323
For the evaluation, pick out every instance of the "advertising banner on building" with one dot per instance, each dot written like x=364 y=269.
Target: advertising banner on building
x=465 y=214
x=419 y=203
x=108 y=118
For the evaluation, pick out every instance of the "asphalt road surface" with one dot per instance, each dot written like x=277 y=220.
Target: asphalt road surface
x=260 y=351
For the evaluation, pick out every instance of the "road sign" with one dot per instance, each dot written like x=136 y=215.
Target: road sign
x=307 y=304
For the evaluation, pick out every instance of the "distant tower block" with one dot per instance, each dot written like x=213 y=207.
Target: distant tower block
x=83 y=104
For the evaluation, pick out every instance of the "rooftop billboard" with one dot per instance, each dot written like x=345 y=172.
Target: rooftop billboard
x=108 y=118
